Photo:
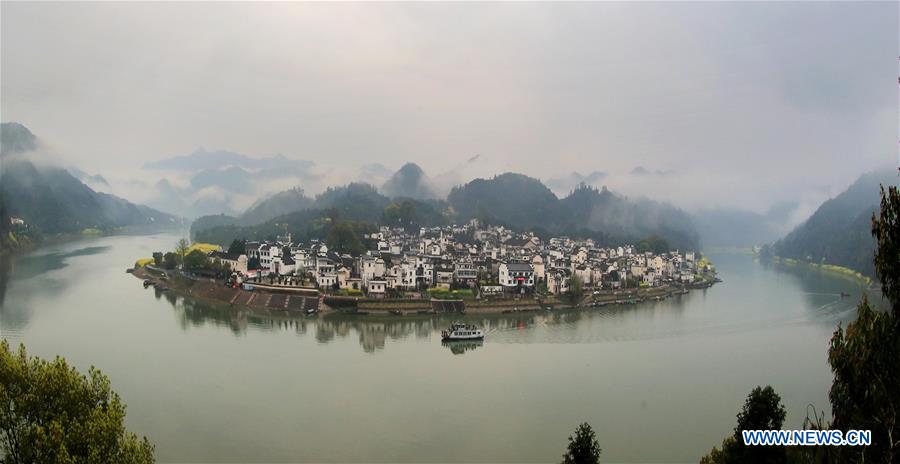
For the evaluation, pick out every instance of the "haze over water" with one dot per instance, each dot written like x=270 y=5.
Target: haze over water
x=658 y=381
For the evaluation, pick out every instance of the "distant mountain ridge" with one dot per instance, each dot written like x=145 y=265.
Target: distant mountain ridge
x=728 y=227
x=202 y=159
x=53 y=200
x=839 y=232
x=514 y=200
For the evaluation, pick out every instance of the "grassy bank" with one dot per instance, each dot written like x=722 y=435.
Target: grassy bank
x=833 y=269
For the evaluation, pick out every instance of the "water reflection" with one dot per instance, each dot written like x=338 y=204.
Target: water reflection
x=374 y=333
x=828 y=294
x=462 y=346
x=31 y=265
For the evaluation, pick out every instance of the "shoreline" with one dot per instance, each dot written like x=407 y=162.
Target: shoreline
x=293 y=303
x=833 y=269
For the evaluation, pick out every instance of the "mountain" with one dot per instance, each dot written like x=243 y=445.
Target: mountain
x=409 y=182
x=16 y=138
x=839 y=232
x=565 y=184
x=514 y=200
x=724 y=227
x=355 y=202
x=620 y=219
x=276 y=205
x=522 y=202
x=53 y=200
x=95 y=179
x=220 y=181
x=201 y=159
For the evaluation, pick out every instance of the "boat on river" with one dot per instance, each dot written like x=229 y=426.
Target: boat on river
x=460 y=331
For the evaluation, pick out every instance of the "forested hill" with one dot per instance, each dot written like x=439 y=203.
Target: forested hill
x=839 y=232
x=50 y=200
x=513 y=200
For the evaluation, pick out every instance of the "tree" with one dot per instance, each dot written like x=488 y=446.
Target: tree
x=576 y=288
x=583 y=447
x=865 y=358
x=762 y=411
x=654 y=244
x=237 y=247
x=157 y=258
x=343 y=239
x=51 y=413
x=196 y=259
x=253 y=264
x=181 y=248
x=170 y=261
x=886 y=230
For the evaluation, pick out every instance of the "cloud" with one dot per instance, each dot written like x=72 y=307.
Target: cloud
x=747 y=103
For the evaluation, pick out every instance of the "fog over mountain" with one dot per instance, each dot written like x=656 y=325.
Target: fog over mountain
x=411 y=182
x=50 y=200
x=672 y=102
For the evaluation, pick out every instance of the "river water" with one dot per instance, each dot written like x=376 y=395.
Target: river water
x=659 y=382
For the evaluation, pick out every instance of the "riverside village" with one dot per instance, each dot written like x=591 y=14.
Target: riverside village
x=453 y=269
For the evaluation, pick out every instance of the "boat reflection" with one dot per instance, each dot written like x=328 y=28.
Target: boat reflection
x=462 y=346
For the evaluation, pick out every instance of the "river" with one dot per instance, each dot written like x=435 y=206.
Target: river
x=659 y=382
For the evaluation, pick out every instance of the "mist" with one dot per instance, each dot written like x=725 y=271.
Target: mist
x=704 y=105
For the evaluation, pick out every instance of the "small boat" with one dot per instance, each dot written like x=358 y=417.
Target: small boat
x=396 y=312
x=844 y=294
x=460 y=331
x=147 y=283
x=129 y=271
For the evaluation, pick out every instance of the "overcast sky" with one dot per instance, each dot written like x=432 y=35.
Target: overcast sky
x=743 y=104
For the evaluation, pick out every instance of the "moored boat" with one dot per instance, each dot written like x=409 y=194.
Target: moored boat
x=460 y=331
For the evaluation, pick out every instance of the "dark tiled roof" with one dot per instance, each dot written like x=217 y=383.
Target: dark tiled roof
x=519 y=267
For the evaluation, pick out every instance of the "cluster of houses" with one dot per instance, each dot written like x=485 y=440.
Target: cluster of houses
x=491 y=259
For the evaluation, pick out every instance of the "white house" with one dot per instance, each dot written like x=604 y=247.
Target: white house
x=516 y=275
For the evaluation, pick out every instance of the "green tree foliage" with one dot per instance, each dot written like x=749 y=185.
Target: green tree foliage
x=401 y=214
x=196 y=260
x=237 y=247
x=839 y=231
x=865 y=393
x=170 y=260
x=576 y=289
x=158 y=258
x=654 y=244
x=51 y=413
x=865 y=358
x=342 y=238
x=583 y=447
x=886 y=230
x=253 y=264
x=762 y=411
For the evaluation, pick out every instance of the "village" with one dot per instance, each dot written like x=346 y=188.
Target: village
x=459 y=261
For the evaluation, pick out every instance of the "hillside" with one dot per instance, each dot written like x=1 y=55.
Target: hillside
x=276 y=205
x=839 y=231
x=409 y=182
x=522 y=202
x=514 y=200
x=51 y=200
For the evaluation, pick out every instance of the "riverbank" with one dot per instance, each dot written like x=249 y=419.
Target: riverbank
x=308 y=301
x=832 y=269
